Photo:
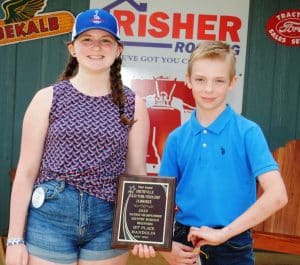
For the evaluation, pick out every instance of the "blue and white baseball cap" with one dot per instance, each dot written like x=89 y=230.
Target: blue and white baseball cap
x=95 y=19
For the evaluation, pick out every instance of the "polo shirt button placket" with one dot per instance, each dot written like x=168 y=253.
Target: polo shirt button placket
x=204 y=145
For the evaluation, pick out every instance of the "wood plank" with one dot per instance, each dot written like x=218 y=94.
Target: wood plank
x=272 y=77
x=7 y=108
x=276 y=242
x=280 y=232
x=286 y=221
x=260 y=65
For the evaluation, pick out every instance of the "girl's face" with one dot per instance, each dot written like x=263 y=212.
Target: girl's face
x=210 y=83
x=95 y=50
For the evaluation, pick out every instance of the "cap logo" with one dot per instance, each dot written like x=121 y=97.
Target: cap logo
x=96 y=19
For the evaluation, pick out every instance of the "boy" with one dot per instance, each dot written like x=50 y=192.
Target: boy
x=217 y=157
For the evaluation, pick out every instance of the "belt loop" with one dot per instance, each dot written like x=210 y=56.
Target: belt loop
x=61 y=183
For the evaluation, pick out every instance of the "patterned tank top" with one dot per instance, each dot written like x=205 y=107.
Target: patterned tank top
x=86 y=143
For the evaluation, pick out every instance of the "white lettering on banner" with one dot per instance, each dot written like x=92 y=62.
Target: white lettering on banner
x=288 y=14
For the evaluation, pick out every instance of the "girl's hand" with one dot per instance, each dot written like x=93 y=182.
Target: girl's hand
x=144 y=251
x=16 y=255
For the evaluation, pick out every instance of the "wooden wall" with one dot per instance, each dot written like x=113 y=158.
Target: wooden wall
x=272 y=99
x=271 y=93
x=272 y=81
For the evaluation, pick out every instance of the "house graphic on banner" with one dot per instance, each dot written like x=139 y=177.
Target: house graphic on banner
x=141 y=7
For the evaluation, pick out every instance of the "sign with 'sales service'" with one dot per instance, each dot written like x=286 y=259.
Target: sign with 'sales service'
x=284 y=27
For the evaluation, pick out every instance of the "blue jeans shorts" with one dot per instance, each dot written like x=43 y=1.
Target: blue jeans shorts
x=237 y=250
x=70 y=225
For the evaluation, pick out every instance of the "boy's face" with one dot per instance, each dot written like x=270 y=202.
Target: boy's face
x=210 y=83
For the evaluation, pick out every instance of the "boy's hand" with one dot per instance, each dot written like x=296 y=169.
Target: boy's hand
x=143 y=251
x=180 y=254
x=206 y=236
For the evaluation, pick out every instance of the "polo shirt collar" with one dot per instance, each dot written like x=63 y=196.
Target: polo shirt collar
x=217 y=126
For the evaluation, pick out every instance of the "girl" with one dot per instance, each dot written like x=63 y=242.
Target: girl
x=78 y=136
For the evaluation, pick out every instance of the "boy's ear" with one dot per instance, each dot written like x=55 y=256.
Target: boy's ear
x=188 y=81
x=233 y=83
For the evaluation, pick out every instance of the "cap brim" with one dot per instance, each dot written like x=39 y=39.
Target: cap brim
x=86 y=29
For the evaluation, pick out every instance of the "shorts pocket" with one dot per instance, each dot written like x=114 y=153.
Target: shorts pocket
x=240 y=242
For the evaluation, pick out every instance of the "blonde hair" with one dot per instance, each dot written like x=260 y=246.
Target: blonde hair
x=213 y=50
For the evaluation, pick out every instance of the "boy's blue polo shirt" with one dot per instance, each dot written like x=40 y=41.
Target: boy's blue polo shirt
x=216 y=167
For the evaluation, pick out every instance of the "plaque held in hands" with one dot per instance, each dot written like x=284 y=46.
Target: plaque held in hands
x=144 y=212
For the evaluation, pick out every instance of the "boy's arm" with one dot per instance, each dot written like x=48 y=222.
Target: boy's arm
x=273 y=198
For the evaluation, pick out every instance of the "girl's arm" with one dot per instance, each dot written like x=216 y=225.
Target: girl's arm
x=138 y=140
x=35 y=125
x=136 y=158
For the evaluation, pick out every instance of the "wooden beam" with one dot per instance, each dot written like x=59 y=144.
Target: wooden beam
x=276 y=242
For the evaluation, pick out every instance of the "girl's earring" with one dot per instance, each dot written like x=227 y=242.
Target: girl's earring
x=74 y=54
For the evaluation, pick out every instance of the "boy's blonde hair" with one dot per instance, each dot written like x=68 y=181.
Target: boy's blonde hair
x=213 y=50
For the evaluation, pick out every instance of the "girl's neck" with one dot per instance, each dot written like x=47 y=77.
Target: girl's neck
x=92 y=84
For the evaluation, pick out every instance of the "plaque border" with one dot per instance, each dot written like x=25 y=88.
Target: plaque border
x=166 y=245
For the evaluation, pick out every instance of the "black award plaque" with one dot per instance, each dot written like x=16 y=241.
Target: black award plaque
x=144 y=212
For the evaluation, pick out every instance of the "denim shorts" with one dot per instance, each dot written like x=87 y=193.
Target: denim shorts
x=70 y=225
x=238 y=250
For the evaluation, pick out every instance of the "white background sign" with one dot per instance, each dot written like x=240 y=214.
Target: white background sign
x=176 y=26
x=158 y=37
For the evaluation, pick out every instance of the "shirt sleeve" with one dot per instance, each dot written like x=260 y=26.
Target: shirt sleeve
x=169 y=165
x=260 y=157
